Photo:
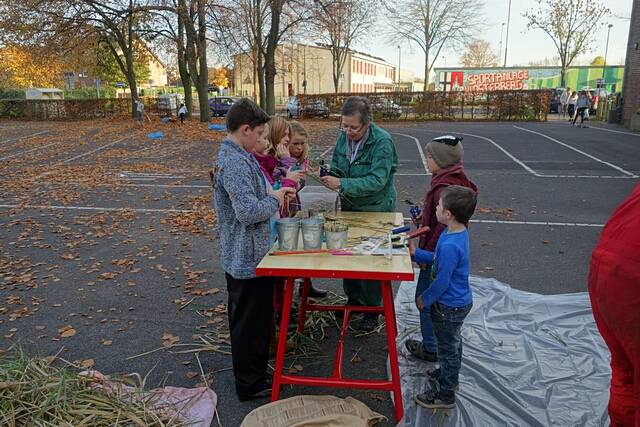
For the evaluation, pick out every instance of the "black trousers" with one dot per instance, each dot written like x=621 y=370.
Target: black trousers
x=250 y=311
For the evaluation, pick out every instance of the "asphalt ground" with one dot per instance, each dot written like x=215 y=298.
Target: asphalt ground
x=110 y=233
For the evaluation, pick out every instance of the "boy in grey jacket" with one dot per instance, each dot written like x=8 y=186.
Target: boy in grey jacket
x=244 y=202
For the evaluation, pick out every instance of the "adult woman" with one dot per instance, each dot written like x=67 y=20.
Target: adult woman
x=362 y=168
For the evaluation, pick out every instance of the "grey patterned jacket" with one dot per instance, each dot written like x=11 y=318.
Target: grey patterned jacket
x=243 y=209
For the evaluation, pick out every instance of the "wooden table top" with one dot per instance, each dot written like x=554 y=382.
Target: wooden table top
x=326 y=265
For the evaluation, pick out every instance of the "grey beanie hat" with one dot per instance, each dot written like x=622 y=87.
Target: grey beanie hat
x=445 y=155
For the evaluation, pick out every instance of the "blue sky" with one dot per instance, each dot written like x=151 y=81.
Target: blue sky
x=522 y=49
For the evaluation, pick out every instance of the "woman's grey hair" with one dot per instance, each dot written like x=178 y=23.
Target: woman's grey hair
x=357 y=106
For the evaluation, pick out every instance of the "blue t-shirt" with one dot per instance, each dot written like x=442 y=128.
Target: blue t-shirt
x=449 y=272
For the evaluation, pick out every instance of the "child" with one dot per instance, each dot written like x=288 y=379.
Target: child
x=244 y=204
x=279 y=137
x=296 y=158
x=182 y=112
x=449 y=298
x=444 y=160
x=297 y=149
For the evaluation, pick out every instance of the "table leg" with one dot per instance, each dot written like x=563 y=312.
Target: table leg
x=390 y=320
x=302 y=310
x=282 y=340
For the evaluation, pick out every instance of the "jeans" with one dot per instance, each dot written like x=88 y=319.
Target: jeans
x=426 y=327
x=447 y=323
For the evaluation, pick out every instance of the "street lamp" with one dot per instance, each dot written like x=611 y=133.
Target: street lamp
x=399 y=56
x=501 y=34
x=606 y=51
x=506 y=42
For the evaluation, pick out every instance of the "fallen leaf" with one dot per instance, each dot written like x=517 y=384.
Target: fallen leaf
x=87 y=363
x=67 y=332
x=68 y=256
x=40 y=328
x=107 y=342
x=191 y=375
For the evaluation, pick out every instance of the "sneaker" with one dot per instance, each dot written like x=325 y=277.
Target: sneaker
x=416 y=349
x=368 y=323
x=434 y=374
x=433 y=400
x=263 y=391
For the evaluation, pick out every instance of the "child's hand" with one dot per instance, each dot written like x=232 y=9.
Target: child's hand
x=283 y=193
x=282 y=151
x=418 y=219
x=420 y=303
x=296 y=176
x=412 y=247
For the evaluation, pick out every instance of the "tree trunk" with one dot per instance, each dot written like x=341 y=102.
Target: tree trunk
x=336 y=69
x=182 y=68
x=270 y=60
x=203 y=93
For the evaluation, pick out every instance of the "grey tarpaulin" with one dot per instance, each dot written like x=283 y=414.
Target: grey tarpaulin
x=528 y=360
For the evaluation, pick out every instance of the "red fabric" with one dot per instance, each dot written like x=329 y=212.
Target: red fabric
x=614 y=289
x=451 y=176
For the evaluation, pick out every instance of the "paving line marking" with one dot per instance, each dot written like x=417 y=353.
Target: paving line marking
x=94 y=151
x=95 y=208
x=30 y=151
x=614 y=131
x=527 y=168
x=325 y=151
x=422 y=156
x=545 y=223
x=611 y=165
x=23 y=137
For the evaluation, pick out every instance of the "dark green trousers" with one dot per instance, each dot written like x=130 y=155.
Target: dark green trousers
x=363 y=292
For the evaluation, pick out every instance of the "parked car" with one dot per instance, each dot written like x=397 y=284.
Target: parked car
x=313 y=108
x=385 y=108
x=220 y=105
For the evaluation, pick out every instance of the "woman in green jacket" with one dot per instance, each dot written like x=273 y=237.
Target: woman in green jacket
x=363 y=165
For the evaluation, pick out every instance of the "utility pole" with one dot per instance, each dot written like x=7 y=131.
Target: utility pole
x=606 y=51
x=501 y=35
x=506 y=43
x=399 y=57
x=304 y=69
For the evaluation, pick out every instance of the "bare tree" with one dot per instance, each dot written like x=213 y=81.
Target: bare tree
x=255 y=27
x=570 y=24
x=338 y=24
x=433 y=25
x=479 y=54
x=192 y=14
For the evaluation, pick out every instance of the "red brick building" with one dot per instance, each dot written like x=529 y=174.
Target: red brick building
x=631 y=90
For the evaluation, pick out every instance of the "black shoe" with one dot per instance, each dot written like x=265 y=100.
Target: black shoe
x=416 y=349
x=434 y=374
x=261 y=392
x=433 y=400
x=313 y=292
x=368 y=323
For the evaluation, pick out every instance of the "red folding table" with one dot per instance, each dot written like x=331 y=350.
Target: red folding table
x=325 y=265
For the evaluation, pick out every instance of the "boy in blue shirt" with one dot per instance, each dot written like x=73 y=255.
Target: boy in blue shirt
x=449 y=298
